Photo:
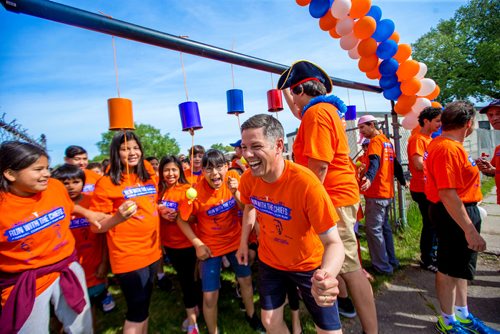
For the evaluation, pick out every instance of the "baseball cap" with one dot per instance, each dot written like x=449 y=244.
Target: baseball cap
x=236 y=143
x=366 y=118
x=494 y=103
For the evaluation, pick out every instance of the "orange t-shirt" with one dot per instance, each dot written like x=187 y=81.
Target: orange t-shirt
x=417 y=145
x=34 y=232
x=218 y=225
x=89 y=246
x=321 y=136
x=448 y=166
x=496 y=162
x=91 y=178
x=383 y=184
x=193 y=179
x=171 y=234
x=291 y=212
x=135 y=243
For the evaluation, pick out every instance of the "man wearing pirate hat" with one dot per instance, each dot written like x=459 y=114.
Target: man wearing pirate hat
x=322 y=146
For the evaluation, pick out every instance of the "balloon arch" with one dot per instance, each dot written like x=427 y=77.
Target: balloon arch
x=374 y=42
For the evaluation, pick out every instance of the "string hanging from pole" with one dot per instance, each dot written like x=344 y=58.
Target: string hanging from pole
x=184 y=72
x=348 y=97
x=364 y=100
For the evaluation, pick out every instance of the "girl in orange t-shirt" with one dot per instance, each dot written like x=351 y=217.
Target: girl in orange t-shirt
x=218 y=234
x=172 y=190
x=134 y=241
x=36 y=246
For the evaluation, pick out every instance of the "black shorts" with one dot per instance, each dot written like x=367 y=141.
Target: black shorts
x=454 y=258
x=137 y=287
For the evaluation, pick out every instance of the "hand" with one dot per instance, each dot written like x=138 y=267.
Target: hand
x=232 y=184
x=102 y=270
x=242 y=255
x=324 y=288
x=127 y=209
x=365 y=183
x=203 y=252
x=167 y=213
x=485 y=166
x=94 y=218
x=475 y=241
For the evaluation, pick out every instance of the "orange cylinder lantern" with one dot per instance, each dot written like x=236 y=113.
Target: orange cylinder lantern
x=120 y=114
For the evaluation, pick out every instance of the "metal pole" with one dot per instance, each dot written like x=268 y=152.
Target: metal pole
x=83 y=19
x=397 y=148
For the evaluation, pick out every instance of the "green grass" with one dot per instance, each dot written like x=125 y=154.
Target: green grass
x=487 y=185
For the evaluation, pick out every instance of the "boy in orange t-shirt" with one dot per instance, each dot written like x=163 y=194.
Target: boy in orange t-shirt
x=77 y=156
x=430 y=122
x=298 y=241
x=218 y=234
x=453 y=186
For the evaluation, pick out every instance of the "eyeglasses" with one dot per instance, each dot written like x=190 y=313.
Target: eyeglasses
x=210 y=170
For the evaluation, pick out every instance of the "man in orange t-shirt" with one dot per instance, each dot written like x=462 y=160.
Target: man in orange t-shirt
x=378 y=189
x=321 y=145
x=454 y=188
x=430 y=121
x=298 y=240
x=492 y=168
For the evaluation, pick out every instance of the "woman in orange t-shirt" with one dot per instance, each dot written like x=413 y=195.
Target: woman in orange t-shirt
x=218 y=234
x=172 y=190
x=36 y=246
x=134 y=241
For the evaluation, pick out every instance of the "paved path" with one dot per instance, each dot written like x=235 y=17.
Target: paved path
x=409 y=305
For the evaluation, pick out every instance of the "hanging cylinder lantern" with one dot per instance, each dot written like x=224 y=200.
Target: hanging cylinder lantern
x=350 y=115
x=235 y=101
x=120 y=114
x=190 y=116
x=274 y=100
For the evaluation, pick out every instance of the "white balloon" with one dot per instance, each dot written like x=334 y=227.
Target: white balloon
x=420 y=104
x=422 y=71
x=482 y=213
x=344 y=26
x=353 y=53
x=410 y=121
x=341 y=8
x=349 y=41
x=428 y=86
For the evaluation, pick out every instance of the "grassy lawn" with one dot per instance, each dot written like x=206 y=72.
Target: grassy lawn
x=167 y=311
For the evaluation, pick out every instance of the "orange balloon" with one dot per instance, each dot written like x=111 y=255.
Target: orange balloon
x=360 y=8
x=395 y=37
x=302 y=2
x=401 y=109
x=403 y=53
x=411 y=86
x=364 y=27
x=327 y=22
x=407 y=100
x=374 y=74
x=368 y=63
x=407 y=70
x=436 y=104
x=434 y=94
x=334 y=33
x=367 y=47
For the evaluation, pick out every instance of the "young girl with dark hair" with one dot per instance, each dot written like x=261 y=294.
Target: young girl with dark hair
x=134 y=245
x=172 y=191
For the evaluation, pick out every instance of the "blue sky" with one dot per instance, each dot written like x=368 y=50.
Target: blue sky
x=55 y=79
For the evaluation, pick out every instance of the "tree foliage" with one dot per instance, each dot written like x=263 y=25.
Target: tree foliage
x=153 y=142
x=223 y=148
x=462 y=53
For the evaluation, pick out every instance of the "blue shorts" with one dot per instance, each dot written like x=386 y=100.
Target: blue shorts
x=273 y=285
x=210 y=271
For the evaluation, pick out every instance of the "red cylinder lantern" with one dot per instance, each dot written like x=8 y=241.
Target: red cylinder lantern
x=274 y=100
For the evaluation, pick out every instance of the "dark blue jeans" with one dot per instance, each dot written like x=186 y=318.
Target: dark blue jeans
x=428 y=238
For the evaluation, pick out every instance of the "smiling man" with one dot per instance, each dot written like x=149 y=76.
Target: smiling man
x=298 y=242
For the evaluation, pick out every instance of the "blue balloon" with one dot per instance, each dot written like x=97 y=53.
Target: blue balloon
x=385 y=28
x=387 y=82
x=436 y=133
x=387 y=49
x=388 y=67
x=393 y=93
x=318 y=8
x=375 y=12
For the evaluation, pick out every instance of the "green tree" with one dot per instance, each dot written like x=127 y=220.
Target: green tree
x=153 y=142
x=223 y=148
x=462 y=53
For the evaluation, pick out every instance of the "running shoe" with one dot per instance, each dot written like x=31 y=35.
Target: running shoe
x=453 y=328
x=476 y=326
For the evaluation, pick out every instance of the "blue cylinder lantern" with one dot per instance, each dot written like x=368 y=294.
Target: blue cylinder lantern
x=235 y=101
x=190 y=116
x=350 y=115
